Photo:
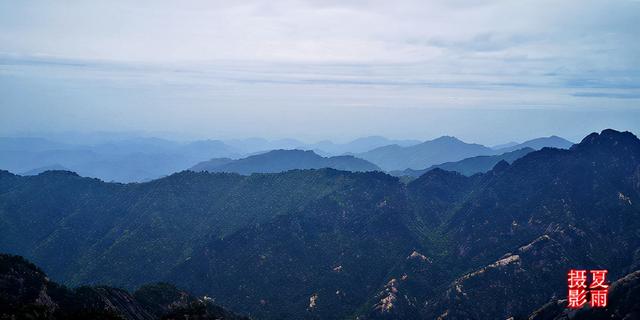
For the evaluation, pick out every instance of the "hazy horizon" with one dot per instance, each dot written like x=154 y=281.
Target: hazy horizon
x=321 y=70
x=100 y=137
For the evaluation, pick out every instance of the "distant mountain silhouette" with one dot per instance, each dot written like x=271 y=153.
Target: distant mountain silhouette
x=440 y=150
x=471 y=166
x=255 y=145
x=130 y=160
x=358 y=145
x=211 y=164
x=284 y=160
x=448 y=149
x=37 y=171
x=138 y=159
x=504 y=145
x=538 y=143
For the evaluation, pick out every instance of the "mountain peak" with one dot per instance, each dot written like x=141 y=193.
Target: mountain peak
x=446 y=139
x=608 y=138
x=283 y=160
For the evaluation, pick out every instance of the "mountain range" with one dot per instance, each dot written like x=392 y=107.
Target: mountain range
x=329 y=244
x=470 y=166
x=284 y=160
x=138 y=159
x=537 y=144
x=358 y=145
x=445 y=149
x=425 y=154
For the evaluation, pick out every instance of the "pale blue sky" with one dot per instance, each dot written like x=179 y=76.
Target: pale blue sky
x=485 y=71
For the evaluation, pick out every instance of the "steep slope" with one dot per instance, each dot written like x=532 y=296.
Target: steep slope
x=27 y=293
x=440 y=150
x=623 y=304
x=581 y=187
x=284 y=160
x=86 y=231
x=549 y=211
x=473 y=165
x=319 y=261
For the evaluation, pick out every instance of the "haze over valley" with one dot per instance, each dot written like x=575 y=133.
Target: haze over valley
x=140 y=159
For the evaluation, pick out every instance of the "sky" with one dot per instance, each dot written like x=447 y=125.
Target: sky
x=484 y=71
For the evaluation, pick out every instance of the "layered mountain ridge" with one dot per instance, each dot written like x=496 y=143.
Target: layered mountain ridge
x=333 y=244
x=284 y=160
x=471 y=166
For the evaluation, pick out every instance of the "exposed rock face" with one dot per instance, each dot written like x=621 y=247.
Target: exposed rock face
x=624 y=304
x=512 y=285
x=25 y=290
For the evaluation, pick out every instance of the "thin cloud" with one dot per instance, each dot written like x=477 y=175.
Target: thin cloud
x=613 y=95
x=244 y=66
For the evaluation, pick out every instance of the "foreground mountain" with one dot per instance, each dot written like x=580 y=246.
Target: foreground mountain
x=309 y=244
x=423 y=155
x=470 y=166
x=27 y=293
x=562 y=208
x=284 y=160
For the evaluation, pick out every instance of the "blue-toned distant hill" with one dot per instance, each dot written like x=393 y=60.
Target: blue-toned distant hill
x=359 y=145
x=284 y=160
x=537 y=144
x=504 y=145
x=37 y=171
x=324 y=147
x=129 y=160
x=449 y=149
x=423 y=155
x=470 y=166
